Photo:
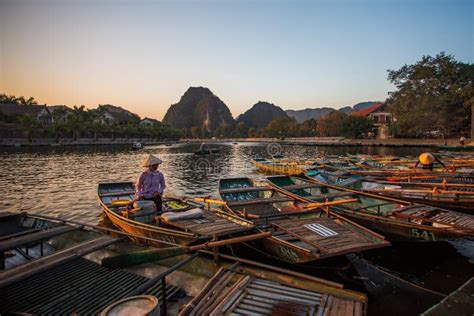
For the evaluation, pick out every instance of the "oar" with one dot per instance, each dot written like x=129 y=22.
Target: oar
x=152 y=255
x=210 y=201
x=316 y=205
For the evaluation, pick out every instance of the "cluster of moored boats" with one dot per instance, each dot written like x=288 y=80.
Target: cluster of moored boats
x=305 y=211
x=310 y=210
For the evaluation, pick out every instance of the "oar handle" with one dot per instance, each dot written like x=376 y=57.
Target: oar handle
x=211 y=201
x=231 y=241
x=315 y=205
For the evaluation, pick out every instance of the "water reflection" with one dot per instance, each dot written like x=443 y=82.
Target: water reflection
x=63 y=181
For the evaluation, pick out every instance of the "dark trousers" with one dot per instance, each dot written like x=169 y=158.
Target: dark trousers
x=158 y=203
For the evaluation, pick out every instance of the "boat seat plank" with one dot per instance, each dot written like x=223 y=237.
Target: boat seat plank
x=119 y=193
x=211 y=224
x=260 y=201
x=36 y=237
x=324 y=197
x=300 y=186
x=345 y=240
x=45 y=263
x=245 y=189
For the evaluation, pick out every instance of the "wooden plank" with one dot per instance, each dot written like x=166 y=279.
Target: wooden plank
x=245 y=189
x=118 y=193
x=260 y=201
x=36 y=237
x=42 y=264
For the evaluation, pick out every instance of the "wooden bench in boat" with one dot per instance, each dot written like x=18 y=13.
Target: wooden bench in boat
x=208 y=225
x=118 y=193
x=36 y=236
x=44 y=263
x=260 y=201
x=324 y=197
x=245 y=189
x=300 y=186
x=234 y=293
x=326 y=236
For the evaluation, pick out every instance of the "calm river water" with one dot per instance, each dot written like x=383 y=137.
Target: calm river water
x=63 y=182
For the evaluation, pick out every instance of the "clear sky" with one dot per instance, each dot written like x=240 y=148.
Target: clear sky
x=143 y=55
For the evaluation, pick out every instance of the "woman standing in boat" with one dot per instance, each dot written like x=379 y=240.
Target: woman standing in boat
x=151 y=182
x=427 y=161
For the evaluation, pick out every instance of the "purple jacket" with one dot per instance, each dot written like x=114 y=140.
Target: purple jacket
x=149 y=183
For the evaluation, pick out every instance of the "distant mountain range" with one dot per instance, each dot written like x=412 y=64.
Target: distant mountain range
x=261 y=114
x=200 y=107
x=317 y=113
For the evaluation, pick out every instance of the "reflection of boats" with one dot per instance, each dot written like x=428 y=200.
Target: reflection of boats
x=299 y=234
x=395 y=219
x=204 y=149
x=198 y=224
x=137 y=146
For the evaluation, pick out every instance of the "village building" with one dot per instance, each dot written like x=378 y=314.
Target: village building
x=380 y=117
x=60 y=113
x=149 y=122
x=11 y=112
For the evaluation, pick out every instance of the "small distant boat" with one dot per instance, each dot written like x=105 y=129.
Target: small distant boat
x=137 y=146
x=235 y=143
x=204 y=149
x=168 y=144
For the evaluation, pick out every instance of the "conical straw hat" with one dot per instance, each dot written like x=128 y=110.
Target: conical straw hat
x=151 y=160
x=426 y=158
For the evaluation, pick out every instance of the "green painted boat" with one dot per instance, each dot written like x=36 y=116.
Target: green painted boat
x=299 y=234
x=395 y=219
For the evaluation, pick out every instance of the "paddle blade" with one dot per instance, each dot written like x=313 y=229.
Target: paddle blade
x=135 y=258
x=122 y=202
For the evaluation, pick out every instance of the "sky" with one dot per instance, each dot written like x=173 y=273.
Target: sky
x=143 y=55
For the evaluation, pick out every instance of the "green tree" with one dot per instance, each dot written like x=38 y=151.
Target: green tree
x=196 y=131
x=58 y=130
x=331 y=125
x=434 y=93
x=356 y=126
x=28 y=125
x=11 y=99
x=242 y=130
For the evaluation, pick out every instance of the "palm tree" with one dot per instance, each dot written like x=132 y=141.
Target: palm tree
x=28 y=125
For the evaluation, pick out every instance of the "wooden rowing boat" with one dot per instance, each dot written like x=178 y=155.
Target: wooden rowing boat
x=455 y=197
x=395 y=219
x=247 y=288
x=278 y=166
x=183 y=231
x=298 y=235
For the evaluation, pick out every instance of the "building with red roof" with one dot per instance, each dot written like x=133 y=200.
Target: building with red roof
x=378 y=114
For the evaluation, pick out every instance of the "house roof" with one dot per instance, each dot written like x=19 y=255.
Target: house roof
x=151 y=120
x=54 y=108
x=367 y=111
x=17 y=110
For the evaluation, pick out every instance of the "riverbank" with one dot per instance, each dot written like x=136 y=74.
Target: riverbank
x=302 y=141
x=340 y=141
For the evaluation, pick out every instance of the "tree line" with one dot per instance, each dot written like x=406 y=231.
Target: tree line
x=79 y=122
x=334 y=124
